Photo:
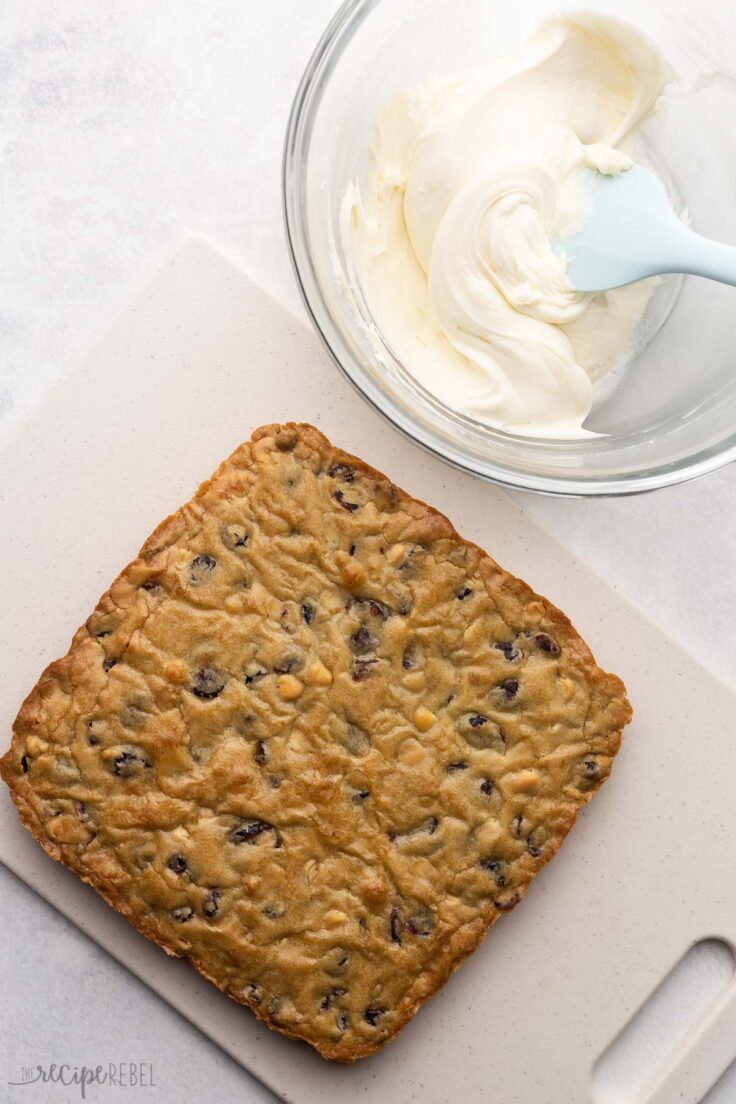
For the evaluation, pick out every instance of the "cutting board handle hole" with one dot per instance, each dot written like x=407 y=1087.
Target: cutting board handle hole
x=628 y=1070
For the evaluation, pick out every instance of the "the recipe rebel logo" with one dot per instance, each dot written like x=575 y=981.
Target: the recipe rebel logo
x=120 y=1075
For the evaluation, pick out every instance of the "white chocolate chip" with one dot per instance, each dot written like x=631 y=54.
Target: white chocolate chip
x=317 y=674
x=396 y=553
x=289 y=687
x=333 y=918
x=424 y=719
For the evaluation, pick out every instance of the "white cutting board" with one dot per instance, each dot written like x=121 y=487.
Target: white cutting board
x=199 y=360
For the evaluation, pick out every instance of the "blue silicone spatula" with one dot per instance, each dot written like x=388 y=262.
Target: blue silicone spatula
x=634 y=232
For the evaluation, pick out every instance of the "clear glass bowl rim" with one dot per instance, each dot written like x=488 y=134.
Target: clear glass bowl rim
x=343 y=26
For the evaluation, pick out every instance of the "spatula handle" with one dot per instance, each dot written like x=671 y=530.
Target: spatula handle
x=700 y=256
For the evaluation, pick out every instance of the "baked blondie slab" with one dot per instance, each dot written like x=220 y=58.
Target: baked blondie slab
x=314 y=741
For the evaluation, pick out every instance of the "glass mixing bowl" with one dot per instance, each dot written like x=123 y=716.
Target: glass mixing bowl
x=666 y=416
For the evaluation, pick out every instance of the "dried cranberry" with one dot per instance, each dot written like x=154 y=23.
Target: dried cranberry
x=481 y=733
x=362 y=669
x=511 y=900
x=374 y=607
x=234 y=536
x=372 y=1015
x=395 y=926
x=350 y=506
x=421 y=923
x=289 y=662
x=508 y=689
x=334 y=994
x=361 y=641
x=249 y=830
x=546 y=644
x=274 y=912
x=130 y=763
x=464 y=593
x=208 y=683
x=201 y=568
x=535 y=849
x=451 y=768
x=94 y=728
x=497 y=870
x=343 y=472
x=181 y=915
x=253 y=673
x=510 y=651
x=211 y=903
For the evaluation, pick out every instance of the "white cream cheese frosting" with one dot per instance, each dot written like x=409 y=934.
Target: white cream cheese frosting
x=450 y=239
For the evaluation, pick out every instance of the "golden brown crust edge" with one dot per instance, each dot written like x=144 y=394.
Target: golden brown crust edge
x=608 y=695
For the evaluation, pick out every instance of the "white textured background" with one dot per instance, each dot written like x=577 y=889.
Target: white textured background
x=123 y=126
